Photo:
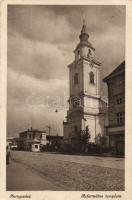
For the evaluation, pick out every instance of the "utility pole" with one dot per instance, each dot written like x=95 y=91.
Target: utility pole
x=49 y=127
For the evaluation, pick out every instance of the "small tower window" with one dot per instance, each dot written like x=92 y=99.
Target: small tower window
x=76 y=79
x=91 y=77
x=78 y=52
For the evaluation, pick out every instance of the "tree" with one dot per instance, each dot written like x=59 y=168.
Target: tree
x=84 y=139
x=103 y=140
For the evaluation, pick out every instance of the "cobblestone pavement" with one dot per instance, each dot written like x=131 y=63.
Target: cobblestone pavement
x=69 y=172
x=111 y=162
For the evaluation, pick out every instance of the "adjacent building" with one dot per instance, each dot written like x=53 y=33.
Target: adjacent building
x=86 y=108
x=31 y=140
x=116 y=108
x=34 y=140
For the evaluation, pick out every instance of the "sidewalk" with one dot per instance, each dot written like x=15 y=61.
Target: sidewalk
x=21 y=178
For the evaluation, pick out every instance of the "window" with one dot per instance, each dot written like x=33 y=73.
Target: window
x=76 y=79
x=75 y=129
x=91 y=77
x=120 y=118
x=36 y=146
x=78 y=54
x=119 y=99
x=33 y=135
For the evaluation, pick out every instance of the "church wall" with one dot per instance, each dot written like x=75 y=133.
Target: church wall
x=91 y=105
x=76 y=89
x=69 y=128
x=65 y=131
x=96 y=126
x=91 y=89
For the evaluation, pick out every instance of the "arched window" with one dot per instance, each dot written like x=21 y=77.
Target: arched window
x=91 y=77
x=76 y=78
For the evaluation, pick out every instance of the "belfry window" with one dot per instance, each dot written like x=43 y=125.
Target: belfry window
x=78 y=54
x=91 y=76
x=76 y=79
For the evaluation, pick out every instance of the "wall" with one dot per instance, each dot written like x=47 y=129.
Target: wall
x=91 y=89
x=96 y=126
x=35 y=149
x=115 y=87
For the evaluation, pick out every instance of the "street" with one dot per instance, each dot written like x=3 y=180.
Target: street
x=22 y=178
x=50 y=171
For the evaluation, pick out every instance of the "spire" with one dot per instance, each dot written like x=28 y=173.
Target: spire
x=84 y=28
x=84 y=37
x=84 y=34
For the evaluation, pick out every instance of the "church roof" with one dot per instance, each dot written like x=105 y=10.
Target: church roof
x=115 y=72
x=84 y=38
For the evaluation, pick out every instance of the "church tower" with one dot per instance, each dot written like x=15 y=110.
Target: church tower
x=84 y=102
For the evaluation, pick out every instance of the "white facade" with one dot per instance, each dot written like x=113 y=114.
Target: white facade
x=35 y=147
x=85 y=101
x=43 y=140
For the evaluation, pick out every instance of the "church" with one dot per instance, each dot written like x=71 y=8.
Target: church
x=86 y=108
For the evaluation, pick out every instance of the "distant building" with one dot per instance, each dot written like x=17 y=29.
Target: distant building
x=116 y=107
x=11 y=142
x=33 y=140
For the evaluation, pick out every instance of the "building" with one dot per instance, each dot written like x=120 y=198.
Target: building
x=116 y=107
x=11 y=142
x=86 y=108
x=31 y=140
x=34 y=140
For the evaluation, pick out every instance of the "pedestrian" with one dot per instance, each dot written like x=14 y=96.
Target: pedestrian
x=8 y=155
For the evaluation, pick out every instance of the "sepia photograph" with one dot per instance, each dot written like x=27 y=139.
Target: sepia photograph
x=65 y=98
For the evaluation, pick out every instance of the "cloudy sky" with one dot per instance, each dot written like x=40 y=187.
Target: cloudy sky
x=41 y=40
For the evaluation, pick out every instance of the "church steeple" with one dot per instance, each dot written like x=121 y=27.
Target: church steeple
x=84 y=101
x=84 y=34
x=84 y=49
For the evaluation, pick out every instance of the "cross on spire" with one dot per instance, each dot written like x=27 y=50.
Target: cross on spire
x=83 y=20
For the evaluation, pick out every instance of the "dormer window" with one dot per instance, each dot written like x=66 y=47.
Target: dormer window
x=91 y=76
x=76 y=79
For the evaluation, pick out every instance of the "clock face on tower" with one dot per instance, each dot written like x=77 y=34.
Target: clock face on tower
x=75 y=101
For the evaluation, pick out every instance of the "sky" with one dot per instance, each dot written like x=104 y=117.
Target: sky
x=41 y=40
